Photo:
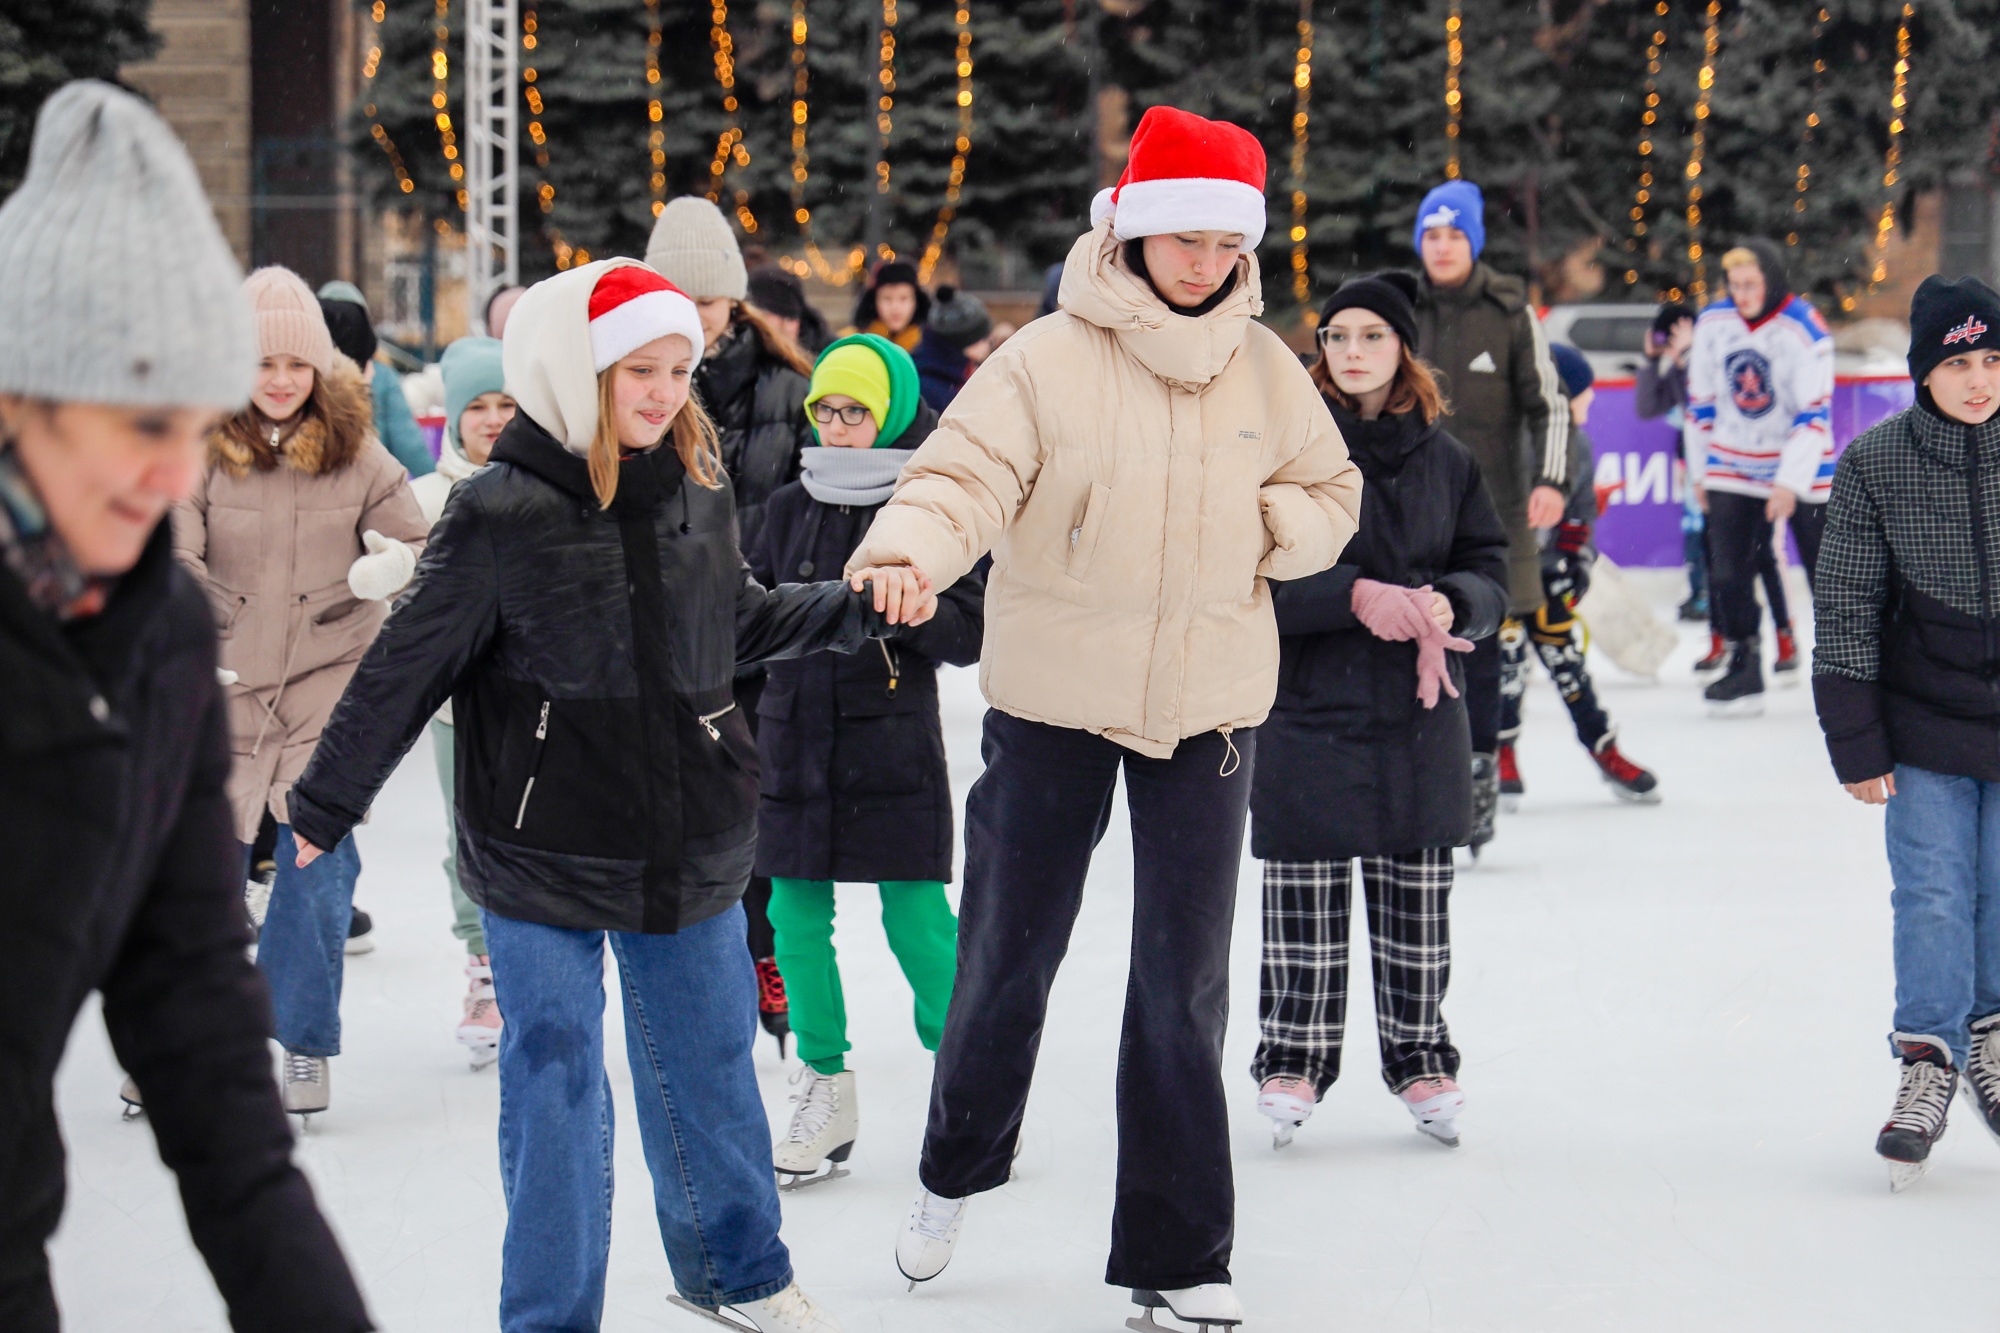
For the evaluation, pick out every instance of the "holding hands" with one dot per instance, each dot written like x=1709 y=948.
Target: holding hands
x=903 y=594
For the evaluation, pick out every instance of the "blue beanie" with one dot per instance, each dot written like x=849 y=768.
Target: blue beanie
x=1572 y=368
x=1453 y=204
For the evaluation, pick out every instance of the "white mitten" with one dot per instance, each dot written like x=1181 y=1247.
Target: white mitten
x=381 y=574
x=226 y=677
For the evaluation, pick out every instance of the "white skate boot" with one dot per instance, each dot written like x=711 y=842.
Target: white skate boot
x=924 y=1245
x=1211 y=1306
x=1435 y=1103
x=479 y=1025
x=790 y=1311
x=823 y=1130
x=308 y=1085
x=1289 y=1102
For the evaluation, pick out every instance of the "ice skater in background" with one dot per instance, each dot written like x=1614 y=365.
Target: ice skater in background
x=854 y=783
x=1567 y=556
x=1367 y=752
x=1908 y=630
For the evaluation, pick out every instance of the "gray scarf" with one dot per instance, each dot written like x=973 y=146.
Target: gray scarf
x=852 y=476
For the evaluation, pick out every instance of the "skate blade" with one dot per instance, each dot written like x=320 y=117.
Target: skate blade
x=1145 y=1323
x=1510 y=805
x=716 y=1316
x=481 y=1056
x=1442 y=1131
x=1972 y=1099
x=1788 y=680
x=1281 y=1134
x=1631 y=797
x=790 y=1182
x=1753 y=706
x=133 y=1111
x=1902 y=1175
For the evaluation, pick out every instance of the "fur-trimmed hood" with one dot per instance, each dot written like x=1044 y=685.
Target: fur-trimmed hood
x=338 y=419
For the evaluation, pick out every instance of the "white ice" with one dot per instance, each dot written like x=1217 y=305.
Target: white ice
x=1673 y=1025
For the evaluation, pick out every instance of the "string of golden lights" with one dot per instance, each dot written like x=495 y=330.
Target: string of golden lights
x=729 y=144
x=1649 y=119
x=656 y=134
x=1301 y=121
x=373 y=63
x=962 y=145
x=440 y=95
x=1454 y=97
x=1697 y=149
x=1898 y=105
x=815 y=261
x=885 y=104
x=1804 y=176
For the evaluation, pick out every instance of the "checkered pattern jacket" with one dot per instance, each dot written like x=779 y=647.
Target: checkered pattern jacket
x=1907 y=604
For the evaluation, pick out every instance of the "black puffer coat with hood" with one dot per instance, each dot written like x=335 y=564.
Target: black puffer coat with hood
x=756 y=395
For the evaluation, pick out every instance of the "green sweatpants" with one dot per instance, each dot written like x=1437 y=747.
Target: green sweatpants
x=922 y=932
x=464 y=912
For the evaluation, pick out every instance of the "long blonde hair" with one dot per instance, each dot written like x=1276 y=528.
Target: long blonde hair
x=693 y=432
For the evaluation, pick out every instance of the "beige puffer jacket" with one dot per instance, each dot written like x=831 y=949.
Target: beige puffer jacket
x=1138 y=474
x=272 y=537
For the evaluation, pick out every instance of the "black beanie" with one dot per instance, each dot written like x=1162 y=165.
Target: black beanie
x=777 y=292
x=1670 y=314
x=352 y=333
x=960 y=318
x=1947 y=318
x=1391 y=294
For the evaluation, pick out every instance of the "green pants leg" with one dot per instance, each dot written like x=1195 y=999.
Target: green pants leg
x=922 y=931
x=464 y=912
x=801 y=914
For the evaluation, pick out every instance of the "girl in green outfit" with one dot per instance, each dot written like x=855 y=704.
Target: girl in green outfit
x=854 y=786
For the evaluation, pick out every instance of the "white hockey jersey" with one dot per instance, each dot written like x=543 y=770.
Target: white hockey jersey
x=1760 y=402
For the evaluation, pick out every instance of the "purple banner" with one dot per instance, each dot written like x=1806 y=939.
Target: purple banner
x=1641 y=527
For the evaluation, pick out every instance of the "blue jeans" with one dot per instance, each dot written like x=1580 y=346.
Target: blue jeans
x=690 y=1019
x=303 y=946
x=1944 y=856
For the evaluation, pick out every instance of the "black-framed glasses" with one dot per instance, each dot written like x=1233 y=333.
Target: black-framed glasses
x=851 y=415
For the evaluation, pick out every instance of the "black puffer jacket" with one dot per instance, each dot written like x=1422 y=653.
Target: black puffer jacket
x=1350 y=762
x=606 y=779
x=757 y=401
x=123 y=875
x=1906 y=605
x=854 y=785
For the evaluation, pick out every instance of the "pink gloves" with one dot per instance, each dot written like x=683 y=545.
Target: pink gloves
x=1398 y=615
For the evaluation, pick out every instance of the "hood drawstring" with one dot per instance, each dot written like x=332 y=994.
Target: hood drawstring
x=1232 y=759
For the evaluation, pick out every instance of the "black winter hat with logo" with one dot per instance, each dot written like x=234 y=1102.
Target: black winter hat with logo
x=1947 y=318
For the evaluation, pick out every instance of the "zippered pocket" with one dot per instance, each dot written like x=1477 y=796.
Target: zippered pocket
x=707 y=721
x=535 y=766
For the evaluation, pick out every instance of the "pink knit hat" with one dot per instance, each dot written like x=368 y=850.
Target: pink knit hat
x=288 y=318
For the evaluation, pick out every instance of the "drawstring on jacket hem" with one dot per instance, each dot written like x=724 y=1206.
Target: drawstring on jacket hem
x=1232 y=758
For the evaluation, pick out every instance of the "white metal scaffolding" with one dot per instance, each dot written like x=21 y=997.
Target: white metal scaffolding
x=492 y=216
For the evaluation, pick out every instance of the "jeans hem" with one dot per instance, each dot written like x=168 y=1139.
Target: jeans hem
x=756 y=1293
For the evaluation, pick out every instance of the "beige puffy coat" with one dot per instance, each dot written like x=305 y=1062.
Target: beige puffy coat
x=1137 y=474
x=272 y=538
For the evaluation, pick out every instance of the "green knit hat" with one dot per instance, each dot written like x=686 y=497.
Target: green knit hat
x=873 y=372
x=470 y=366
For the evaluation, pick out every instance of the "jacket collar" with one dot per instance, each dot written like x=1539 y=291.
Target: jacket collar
x=644 y=480
x=1099 y=289
x=1946 y=442
x=1482 y=284
x=1381 y=446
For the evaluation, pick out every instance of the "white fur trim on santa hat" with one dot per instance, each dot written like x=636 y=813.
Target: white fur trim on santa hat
x=1191 y=203
x=627 y=327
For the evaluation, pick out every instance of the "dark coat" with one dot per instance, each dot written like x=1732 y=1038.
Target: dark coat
x=606 y=779
x=757 y=401
x=1350 y=762
x=1906 y=601
x=123 y=875
x=941 y=369
x=855 y=787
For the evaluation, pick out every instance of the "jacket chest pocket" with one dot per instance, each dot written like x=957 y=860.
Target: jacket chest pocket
x=1083 y=537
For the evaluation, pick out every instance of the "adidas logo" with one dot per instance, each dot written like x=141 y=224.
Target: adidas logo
x=1484 y=362
x=1968 y=332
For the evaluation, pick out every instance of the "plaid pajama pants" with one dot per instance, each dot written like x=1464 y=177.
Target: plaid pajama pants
x=1303 y=1007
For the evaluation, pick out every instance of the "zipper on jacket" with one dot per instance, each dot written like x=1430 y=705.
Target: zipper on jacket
x=535 y=769
x=707 y=721
x=1979 y=555
x=895 y=668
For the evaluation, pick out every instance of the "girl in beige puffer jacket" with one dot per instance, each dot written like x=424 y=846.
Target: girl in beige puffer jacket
x=1139 y=463
x=301 y=530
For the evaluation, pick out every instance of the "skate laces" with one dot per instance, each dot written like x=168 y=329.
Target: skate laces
x=817 y=1104
x=301 y=1068
x=770 y=987
x=1984 y=1066
x=794 y=1305
x=935 y=1215
x=1922 y=1098
x=1426 y=1088
x=1618 y=765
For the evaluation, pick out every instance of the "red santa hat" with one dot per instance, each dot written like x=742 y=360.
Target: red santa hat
x=1186 y=173
x=631 y=306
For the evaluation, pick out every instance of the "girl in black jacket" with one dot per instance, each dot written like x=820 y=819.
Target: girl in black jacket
x=855 y=787
x=584 y=606
x=1367 y=752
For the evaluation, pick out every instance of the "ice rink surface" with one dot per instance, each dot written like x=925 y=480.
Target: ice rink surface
x=1673 y=1020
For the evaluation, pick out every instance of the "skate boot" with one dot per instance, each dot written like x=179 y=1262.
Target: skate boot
x=1289 y=1102
x=822 y=1132
x=1210 y=1306
x=1785 y=670
x=1718 y=655
x=1740 y=691
x=1435 y=1103
x=257 y=895
x=479 y=1025
x=1511 y=786
x=360 y=933
x=1982 y=1072
x=774 y=1011
x=790 y=1311
x=308 y=1085
x=135 y=1105
x=1923 y=1100
x=1694 y=610
x=1631 y=782
x=924 y=1245
x=1485 y=799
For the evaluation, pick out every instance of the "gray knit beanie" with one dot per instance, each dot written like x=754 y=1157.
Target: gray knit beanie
x=118 y=285
x=694 y=248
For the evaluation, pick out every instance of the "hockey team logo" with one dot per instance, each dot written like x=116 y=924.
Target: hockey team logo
x=1969 y=332
x=1749 y=376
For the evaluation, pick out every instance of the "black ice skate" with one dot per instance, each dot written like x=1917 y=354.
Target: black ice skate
x=1631 y=782
x=1740 y=691
x=1209 y=1307
x=774 y=1010
x=1923 y=1100
x=1485 y=800
x=1982 y=1072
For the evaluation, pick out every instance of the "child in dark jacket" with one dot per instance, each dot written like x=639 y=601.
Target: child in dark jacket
x=854 y=785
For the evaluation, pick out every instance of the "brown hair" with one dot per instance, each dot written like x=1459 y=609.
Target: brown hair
x=1415 y=388
x=775 y=342
x=693 y=433
x=325 y=435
